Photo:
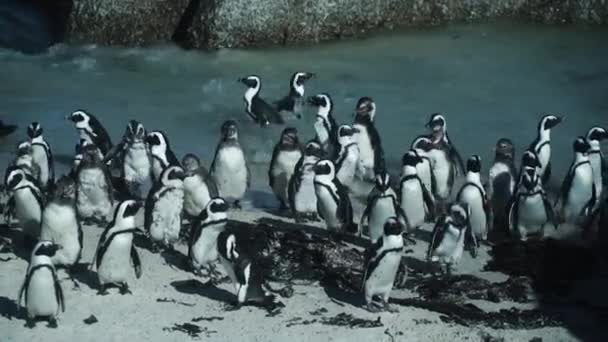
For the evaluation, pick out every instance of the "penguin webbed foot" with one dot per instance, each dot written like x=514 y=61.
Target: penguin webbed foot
x=374 y=306
x=124 y=289
x=237 y=205
x=233 y=306
x=102 y=291
x=30 y=323
x=52 y=323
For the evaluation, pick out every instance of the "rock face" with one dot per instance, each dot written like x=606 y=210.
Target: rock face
x=238 y=23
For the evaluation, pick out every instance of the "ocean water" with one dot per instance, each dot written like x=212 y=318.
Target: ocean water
x=490 y=81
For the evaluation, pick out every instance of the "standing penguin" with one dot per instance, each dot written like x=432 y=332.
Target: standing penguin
x=578 y=194
x=258 y=109
x=41 y=289
x=333 y=203
x=229 y=169
x=115 y=250
x=382 y=260
x=60 y=224
x=501 y=185
x=203 y=242
x=422 y=145
x=91 y=130
x=371 y=157
x=163 y=210
x=325 y=125
x=530 y=210
x=381 y=204
x=94 y=193
x=135 y=160
x=42 y=155
x=417 y=203
x=28 y=201
x=542 y=145
x=293 y=103
x=594 y=137
x=162 y=155
x=448 y=238
x=447 y=163
x=474 y=196
x=302 y=196
x=348 y=155
x=199 y=187
x=285 y=156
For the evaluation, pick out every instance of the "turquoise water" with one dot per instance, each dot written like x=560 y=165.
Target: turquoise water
x=490 y=80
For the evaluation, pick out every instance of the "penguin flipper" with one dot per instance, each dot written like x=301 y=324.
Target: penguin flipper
x=436 y=236
x=514 y=213
x=547 y=174
x=471 y=237
x=370 y=255
x=58 y=292
x=456 y=159
x=136 y=261
x=24 y=287
x=566 y=185
x=549 y=211
x=588 y=208
x=401 y=217
x=113 y=152
x=428 y=201
x=275 y=153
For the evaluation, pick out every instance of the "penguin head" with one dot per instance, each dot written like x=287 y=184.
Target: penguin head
x=530 y=177
x=345 y=134
x=289 y=138
x=34 y=130
x=548 y=121
x=157 y=139
x=298 y=79
x=24 y=147
x=45 y=248
x=325 y=168
x=366 y=108
x=411 y=158
x=135 y=131
x=504 y=149
x=438 y=126
x=459 y=212
x=597 y=134
x=474 y=164
x=530 y=159
x=251 y=81
x=392 y=226
x=172 y=175
x=581 y=145
x=383 y=181
x=124 y=214
x=422 y=142
x=15 y=177
x=216 y=209
x=313 y=148
x=230 y=130
x=323 y=102
x=80 y=118
x=191 y=162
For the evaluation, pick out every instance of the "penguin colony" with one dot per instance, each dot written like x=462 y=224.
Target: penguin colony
x=108 y=185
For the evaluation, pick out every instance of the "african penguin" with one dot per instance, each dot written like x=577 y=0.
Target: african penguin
x=348 y=155
x=474 y=196
x=333 y=203
x=302 y=196
x=529 y=209
x=91 y=130
x=293 y=103
x=371 y=154
x=28 y=200
x=203 y=242
x=415 y=199
x=163 y=208
x=542 y=145
x=381 y=204
x=258 y=109
x=594 y=137
x=160 y=150
x=286 y=154
x=42 y=155
x=422 y=145
x=229 y=169
x=25 y=160
x=382 y=260
x=94 y=192
x=501 y=185
x=115 y=250
x=449 y=234
x=6 y=130
x=578 y=194
x=199 y=187
x=325 y=125
x=41 y=289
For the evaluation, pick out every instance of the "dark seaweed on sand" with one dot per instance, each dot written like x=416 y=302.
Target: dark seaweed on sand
x=192 y=330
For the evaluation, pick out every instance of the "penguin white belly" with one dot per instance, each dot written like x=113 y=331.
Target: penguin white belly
x=28 y=212
x=41 y=299
x=305 y=198
x=116 y=262
x=328 y=208
x=501 y=182
x=40 y=158
x=93 y=194
x=204 y=250
x=157 y=168
x=471 y=196
x=366 y=153
x=596 y=166
x=230 y=173
x=322 y=133
x=196 y=195
x=544 y=156
x=412 y=203
x=137 y=170
x=166 y=217
x=348 y=169
x=60 y=225
x=380 y=282
x=283 y=170
x=229 y=268
x=579 y=195
x=382 y=210
x=532 y=216
x=450 y=248
x=424 y=173
x=442 y=169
